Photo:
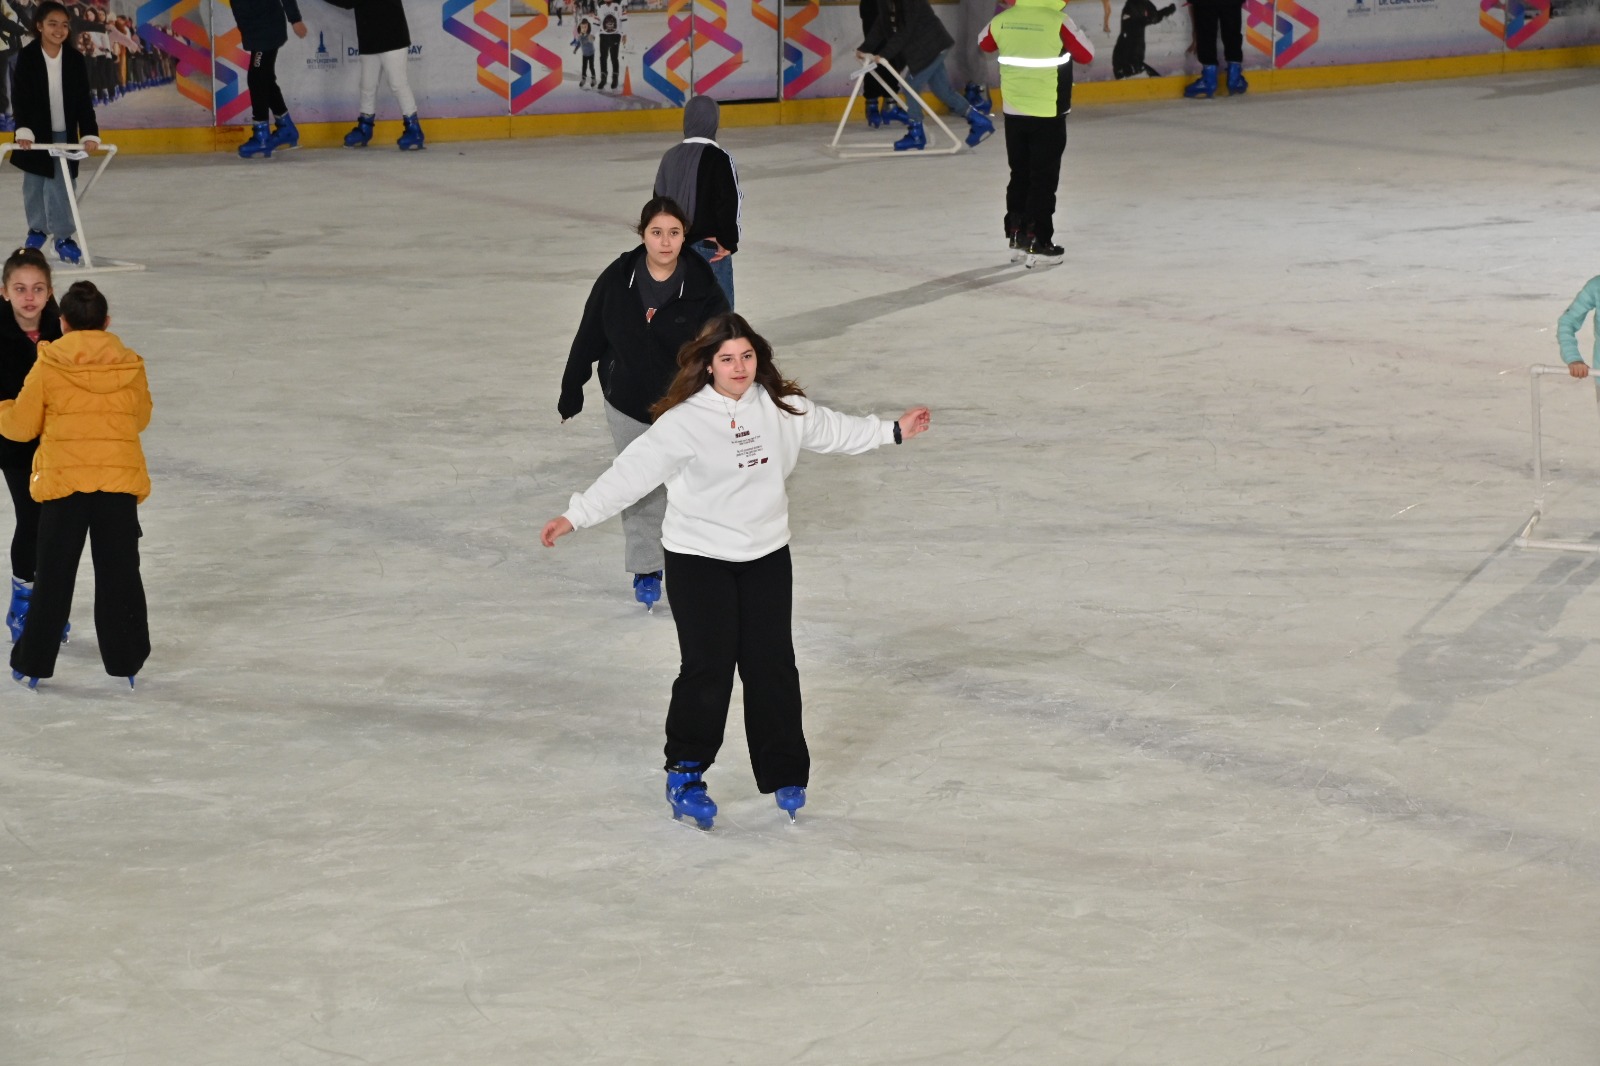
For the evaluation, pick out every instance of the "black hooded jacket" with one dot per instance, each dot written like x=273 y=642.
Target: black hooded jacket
x=263 y=24
x=701 y=177
x=30 y=106
x=380 y=25
x=17 y=356
x=637 y=359
x=908 y=34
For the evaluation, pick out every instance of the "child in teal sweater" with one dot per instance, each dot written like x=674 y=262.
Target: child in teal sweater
x=1567 y=329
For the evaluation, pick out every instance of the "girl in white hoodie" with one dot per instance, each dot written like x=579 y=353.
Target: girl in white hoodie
x=726 y=436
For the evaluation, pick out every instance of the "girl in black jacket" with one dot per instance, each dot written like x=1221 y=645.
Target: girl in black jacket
x=41 y=119
x=31 y=316
x=642 y=309
x=384 y=39
x=262 y=33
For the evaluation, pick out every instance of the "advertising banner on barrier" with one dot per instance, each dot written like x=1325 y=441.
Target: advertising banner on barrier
x=1532 y=24
x=321 y=73
x=1338 y=32
x=151 y=61
x=583 y=55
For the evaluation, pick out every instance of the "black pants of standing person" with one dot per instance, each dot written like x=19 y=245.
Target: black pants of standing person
x=1034 y=147
x=1211 y=15
x=610 y=45
x=110 y=520
x=736 y=615
x=262 y=80
x=25 y=540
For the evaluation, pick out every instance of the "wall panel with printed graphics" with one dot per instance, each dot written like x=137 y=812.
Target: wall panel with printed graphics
x=1527 y=26
x=320 y=73
x=725 y=48
x=178 y=64
x=159 y=57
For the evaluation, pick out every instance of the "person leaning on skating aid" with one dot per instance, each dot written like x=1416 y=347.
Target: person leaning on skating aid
x=699 y=174
x=262 y=33
x=909 y=35
x=1571 y=321
x=1210 y=18
x=725 y=439
x=643 y=308
x=384 y=39
x=87 y=400
x=51 y=102
x=1038 y=43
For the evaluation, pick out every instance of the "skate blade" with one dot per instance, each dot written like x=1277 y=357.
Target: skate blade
x=1035 y=261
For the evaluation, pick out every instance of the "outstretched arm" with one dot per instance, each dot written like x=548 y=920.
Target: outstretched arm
x=914 y=422
x=1568 y=324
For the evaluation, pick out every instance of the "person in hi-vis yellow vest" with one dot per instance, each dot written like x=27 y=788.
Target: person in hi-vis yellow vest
x=1038 y=44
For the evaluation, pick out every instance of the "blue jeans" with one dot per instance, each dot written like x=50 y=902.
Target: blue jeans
x=722 y=269
x=44 y=200
x=936 y=79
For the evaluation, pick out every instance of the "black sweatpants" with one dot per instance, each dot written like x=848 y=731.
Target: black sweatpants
x=1209 y=16
x=736 y=615
x=610 y=43
x=1034 y=147
x=110 y=520
x=25 y=540
x=262 y=80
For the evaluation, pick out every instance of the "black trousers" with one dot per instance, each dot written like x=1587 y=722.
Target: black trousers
x=25 y=540
x=110 y=520
x=1034 y=147
x=737 y=615
x=262 y=80
x=1211 y=15
x=609 y=45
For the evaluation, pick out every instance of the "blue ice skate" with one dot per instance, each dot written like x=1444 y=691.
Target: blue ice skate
x=895 y=113
x=286 y=134
x=68 y=252
x=411 y=139
x=647 y=589
x=873 y=118
x=35 y=239
x=1203 y=86
x=914 y=140
x=361 y=135
x=686 y=792
x=23 y=679
x=259 y=144
x=979 y=97
x=790 y=798
x=1237 y=86
x=21 y=596
x=979 y=127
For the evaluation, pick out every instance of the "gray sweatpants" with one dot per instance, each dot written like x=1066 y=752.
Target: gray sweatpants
x=641 y=523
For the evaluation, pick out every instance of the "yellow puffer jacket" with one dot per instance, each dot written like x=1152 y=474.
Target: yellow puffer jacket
x=87 y=401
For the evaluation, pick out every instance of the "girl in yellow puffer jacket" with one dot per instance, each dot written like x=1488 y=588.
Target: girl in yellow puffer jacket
x=87 y=401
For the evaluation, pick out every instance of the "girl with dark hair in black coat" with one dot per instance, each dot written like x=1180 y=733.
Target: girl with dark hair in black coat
x=31 y=316
x=645 y=306
x=51 y=101
x=262 y=33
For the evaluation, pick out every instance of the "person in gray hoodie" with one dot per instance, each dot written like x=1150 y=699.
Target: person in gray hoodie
x=700 y=176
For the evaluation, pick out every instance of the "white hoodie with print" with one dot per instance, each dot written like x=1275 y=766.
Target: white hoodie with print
x=724 y=464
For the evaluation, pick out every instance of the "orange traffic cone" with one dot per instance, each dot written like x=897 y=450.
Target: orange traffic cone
x=627 y=83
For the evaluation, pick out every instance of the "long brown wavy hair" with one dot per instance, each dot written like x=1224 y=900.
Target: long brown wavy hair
x=694 y=364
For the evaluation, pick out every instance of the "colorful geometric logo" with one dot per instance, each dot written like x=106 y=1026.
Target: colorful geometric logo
x=797 y=40
x=187 y=42
x=488 y=36
x=1521 y=19
x=528 y=55
x=686 y=38
x=1289 y=29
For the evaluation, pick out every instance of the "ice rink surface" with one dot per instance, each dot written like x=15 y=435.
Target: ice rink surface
x=1179 y=700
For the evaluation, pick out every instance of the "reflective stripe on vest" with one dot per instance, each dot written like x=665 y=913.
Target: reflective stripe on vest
x=1021 y=61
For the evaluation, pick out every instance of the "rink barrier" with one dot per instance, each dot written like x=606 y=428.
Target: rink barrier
x=1525 y=539
x=826 y=109
x=74 y=152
